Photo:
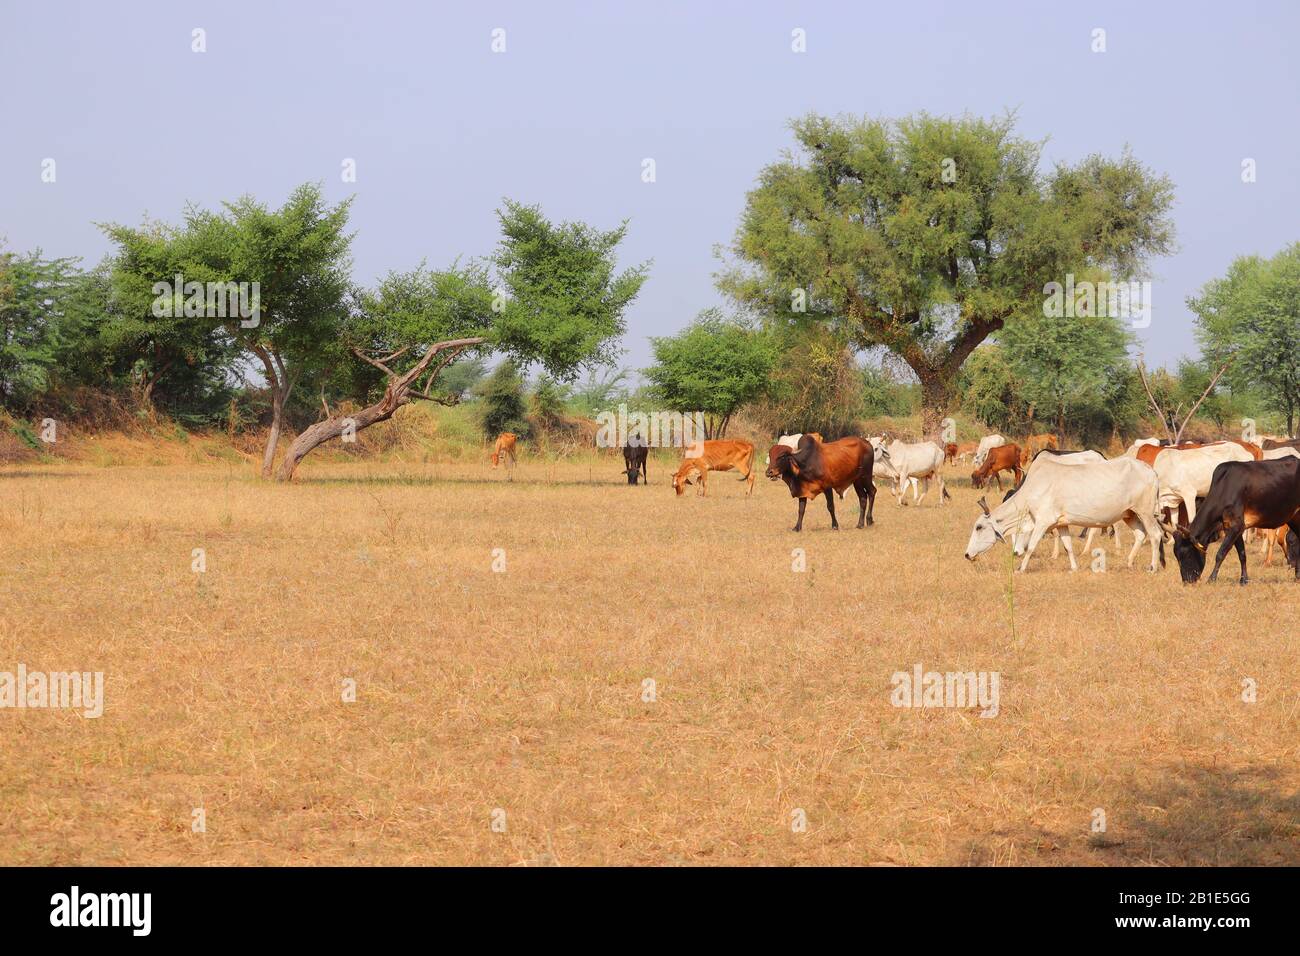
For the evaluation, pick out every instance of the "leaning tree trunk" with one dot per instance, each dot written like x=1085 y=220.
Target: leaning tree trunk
x=333 y=427
x=397 y=394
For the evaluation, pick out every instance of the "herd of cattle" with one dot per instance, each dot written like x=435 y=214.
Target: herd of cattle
x=1191 y=493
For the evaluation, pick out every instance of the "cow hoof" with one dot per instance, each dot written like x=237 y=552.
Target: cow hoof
x=1245 y=581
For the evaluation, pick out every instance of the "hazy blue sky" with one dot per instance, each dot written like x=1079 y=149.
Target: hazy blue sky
x=441 y=128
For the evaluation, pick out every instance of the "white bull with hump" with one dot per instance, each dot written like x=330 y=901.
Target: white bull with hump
x=909 y=463
x=1091 y=494
x=1185 y=473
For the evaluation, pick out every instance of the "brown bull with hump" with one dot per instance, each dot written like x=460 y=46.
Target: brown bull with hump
x=817 y=468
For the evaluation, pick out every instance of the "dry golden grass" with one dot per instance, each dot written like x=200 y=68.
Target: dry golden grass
x=522 y=690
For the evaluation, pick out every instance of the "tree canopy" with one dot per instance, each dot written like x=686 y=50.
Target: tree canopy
x=926 y=235
x=713 y=366
x=1251 y=316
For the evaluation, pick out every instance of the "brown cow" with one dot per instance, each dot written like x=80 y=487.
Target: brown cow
x=966 y=449
x=704 y=457
x=950 y=453
x=1036 y=443
x=1271 y=443
x=505 y=447
x=818 y=467
x=999 y=459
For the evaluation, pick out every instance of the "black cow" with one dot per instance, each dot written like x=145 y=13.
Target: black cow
x=1243 y=494
x=634 y=456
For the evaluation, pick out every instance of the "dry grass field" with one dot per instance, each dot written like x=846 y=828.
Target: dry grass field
x=522 y=690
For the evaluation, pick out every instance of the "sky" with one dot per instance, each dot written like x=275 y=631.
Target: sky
x=441 y=128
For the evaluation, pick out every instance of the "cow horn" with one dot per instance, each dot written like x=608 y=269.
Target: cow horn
x=983 y=503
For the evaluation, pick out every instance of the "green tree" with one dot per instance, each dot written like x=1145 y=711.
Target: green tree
x=297 y=258
x=714 y=366
x=927 y=235
x=1251 y=318
x=1067 y=370
x=557 y=301
x=49 y=310
x=505 y=407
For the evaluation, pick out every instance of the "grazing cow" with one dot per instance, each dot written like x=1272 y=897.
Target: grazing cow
x=911 y=463
x=818 y=467
x=966 y=450
x=1036 y=443
x=505 y=448
x=1185 y=471
x=1055 y=494
x=1243 y=494
x=982 y=449
x=722 y=455
x=998 y=459
x=1066 y=456
x=635 y=453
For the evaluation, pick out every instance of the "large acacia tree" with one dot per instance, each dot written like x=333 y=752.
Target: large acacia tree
x=927 y=235
x=550 y=295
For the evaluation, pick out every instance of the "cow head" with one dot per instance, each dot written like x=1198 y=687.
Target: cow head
x=778 y=458
x=680 y=482
x=496 y=458
x=632 y=474
x=985 y=533
x=1189 y=552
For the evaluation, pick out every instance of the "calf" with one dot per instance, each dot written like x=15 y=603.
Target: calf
x=1243 y=494
x=505 y=448
x=818 y=467
x=999 y=459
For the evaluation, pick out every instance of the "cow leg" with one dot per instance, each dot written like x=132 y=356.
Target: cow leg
x=925 y=490
x=1056 y=544
x=703 y=490
x=862 y=505
x=1231 y=538
x=803 y=503
x=1289 y=552
x=1035 y=536
x=870 y=491
x=997 y=476
x=830 y=506
x=1069 y=546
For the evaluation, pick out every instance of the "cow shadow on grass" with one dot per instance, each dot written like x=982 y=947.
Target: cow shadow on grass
x=1179 y=815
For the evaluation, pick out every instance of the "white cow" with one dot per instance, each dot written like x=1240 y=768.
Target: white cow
x=1274 y=453
x=1075 y=458
x=986 y=443
x=1185 y=473
x=1093 y=494
x=906 y=462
